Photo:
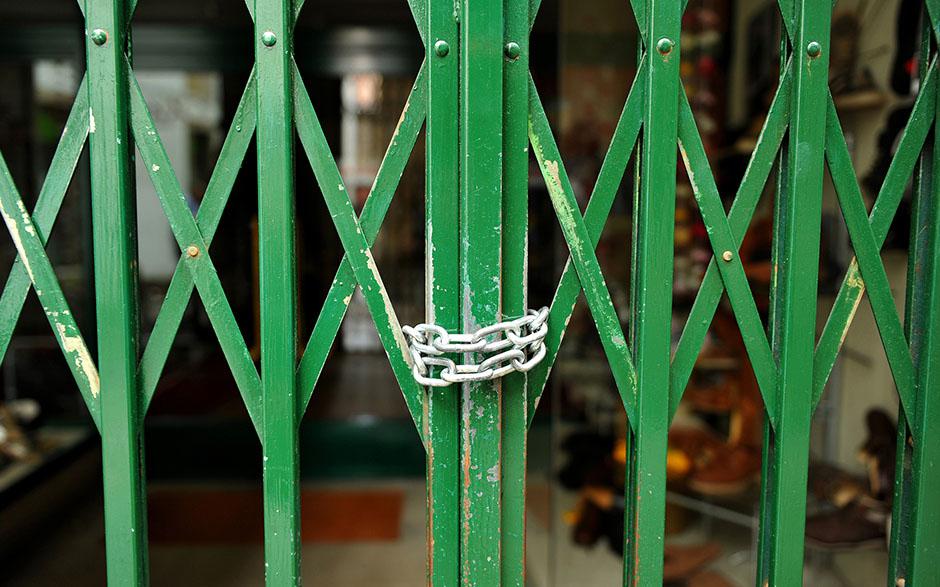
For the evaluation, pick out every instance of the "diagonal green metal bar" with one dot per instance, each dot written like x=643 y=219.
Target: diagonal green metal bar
x=534 y=6
x=195 y=249
x=595 y=216
x=640 y=14
x=357 y=247
x=739 y=217
x=30 y=247
x=886 y=204
x=582 y=253
x=933 y=13
x=868 y=258
x=419 y=11
x=370 y=220
x=208 y=216
x=725 y=242
x=51 y=195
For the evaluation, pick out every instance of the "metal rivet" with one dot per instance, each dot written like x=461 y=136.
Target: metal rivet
x=99 y=37
x=814 y=49
x=664 y=46
x=727 y=255
x=192 y=251
x=441 y=48
x=513 y=50
x=268 y=38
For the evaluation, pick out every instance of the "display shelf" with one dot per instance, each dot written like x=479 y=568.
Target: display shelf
x=58 y=446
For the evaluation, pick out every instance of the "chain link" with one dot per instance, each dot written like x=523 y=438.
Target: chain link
x=514 y=345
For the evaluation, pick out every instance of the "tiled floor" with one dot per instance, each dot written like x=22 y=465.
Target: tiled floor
x=74 y=556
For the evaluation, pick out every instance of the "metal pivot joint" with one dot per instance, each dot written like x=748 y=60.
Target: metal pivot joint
x=512 y=346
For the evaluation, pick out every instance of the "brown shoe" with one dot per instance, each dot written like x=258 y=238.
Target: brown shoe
x=831 y=484
x=850 y=528
x=729 y=471
x=719 y=398
x=709 y=579
x=682 y=562
x=688 y=449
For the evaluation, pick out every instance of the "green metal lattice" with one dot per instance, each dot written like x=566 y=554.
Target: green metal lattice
x=482 y=111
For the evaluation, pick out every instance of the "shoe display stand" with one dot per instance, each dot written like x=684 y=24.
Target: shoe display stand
x=56 y=447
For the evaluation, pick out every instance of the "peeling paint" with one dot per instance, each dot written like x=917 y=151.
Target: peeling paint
x=74 y=345
x=17 y=241
x=91 y=121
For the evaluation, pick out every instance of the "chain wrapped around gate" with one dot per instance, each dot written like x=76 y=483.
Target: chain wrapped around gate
x=512 y=346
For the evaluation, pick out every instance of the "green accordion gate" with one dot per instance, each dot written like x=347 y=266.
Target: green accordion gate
x=483 y=119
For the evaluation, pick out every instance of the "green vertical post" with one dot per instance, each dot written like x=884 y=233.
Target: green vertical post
x=916 y=528
x=276 y=234
x=442 y=291
x=481 y=120
x=783 y=512
x=115 y=256
x=646 y=486
x=515 y=249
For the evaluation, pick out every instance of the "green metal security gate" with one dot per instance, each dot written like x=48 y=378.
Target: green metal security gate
x=481 y=111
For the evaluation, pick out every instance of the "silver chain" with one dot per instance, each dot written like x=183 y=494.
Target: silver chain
x=513 y=345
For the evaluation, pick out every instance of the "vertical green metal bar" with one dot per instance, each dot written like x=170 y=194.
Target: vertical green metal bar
x=654 y=217
x=915 y=533
x=481 y=121
x=515 y=249
x=115 y=257
x=442 y=290
x=784 y=506
x=779 y=220
x=275 y=138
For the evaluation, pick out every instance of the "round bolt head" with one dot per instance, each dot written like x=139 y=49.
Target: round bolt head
x=727 y=255
x=814 y=49
x=513 y=50
x=268 y=38
x=664 y=46
x=441 y=48
x=192 y=251
x=99 y=37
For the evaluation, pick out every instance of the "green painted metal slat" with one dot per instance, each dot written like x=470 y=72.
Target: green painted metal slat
x=170 y=316
x=515 y=204
x=868 y=258
x=195 y=252
x=48 y=203
x=915 y=529
x=784 y=506
x=442 y=290
x=724 y=245
x=113 y=227
x=652 y=294
x=595 y=216
x=742 y=210
x=370 y=220
x=356 y=245
x=480 y=112
x=278 y=274
x=583 y=257
x=882 y=214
